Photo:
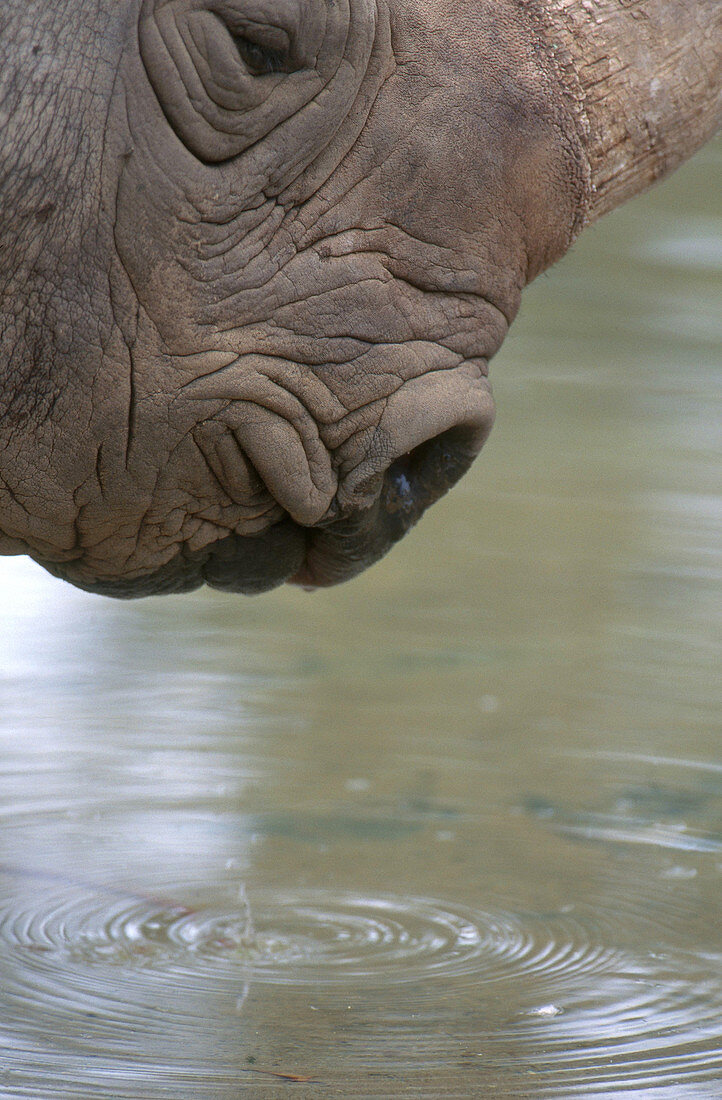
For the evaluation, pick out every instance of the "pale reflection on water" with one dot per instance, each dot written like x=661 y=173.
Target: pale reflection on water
x=454 y=829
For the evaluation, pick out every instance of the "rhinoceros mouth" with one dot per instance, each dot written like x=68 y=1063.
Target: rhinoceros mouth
x=381 y=478
x=311 y=557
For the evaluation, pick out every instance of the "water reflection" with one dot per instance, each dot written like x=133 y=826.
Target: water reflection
x=451 y=830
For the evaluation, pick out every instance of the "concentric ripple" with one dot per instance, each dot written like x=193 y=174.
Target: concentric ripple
x=298 y=938
x=329 y=938
x=587 y=1016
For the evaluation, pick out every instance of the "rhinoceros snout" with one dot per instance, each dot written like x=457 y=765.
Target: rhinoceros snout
x=344 y=488
x=415 y=445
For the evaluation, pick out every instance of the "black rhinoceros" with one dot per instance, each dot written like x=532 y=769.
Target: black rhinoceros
x=257 y=254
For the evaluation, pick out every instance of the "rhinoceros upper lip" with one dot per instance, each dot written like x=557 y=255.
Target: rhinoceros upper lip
x=341 y=550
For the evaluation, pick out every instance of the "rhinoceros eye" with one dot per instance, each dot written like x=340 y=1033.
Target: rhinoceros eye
x=260 y=59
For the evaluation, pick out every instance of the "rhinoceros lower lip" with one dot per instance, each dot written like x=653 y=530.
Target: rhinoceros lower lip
x=232 y=564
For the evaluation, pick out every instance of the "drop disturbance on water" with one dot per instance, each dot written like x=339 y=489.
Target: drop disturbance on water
x=596 y=1018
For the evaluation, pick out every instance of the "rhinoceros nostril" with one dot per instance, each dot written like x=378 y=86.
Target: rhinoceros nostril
x=420 y=477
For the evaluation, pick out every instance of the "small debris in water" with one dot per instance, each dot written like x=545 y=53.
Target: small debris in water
x=359 y=784
x=546 y=1011
x=300 y=1077
x=680 y=872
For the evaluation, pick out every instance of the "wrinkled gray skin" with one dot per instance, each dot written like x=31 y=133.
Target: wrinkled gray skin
x=256 y=255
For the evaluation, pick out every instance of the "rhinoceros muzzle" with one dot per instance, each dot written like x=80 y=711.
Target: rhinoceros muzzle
x=428 y=435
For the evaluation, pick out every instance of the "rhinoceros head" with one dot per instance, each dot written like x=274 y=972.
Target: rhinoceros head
x=256 y=256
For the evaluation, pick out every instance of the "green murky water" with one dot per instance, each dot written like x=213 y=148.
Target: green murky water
x=453 y=830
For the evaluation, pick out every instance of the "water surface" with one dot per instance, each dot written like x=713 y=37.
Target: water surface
x=454 y=829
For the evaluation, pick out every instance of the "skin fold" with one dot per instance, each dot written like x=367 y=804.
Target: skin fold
x=256 y=255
